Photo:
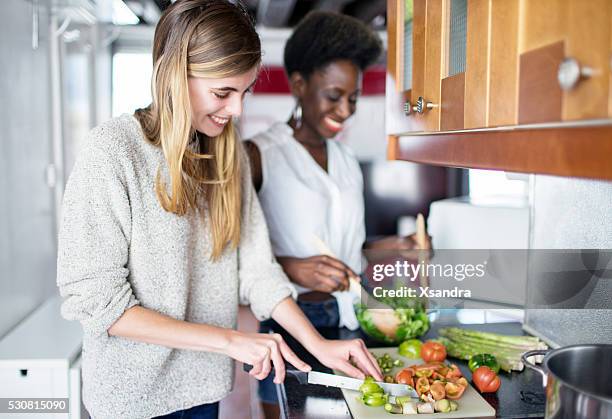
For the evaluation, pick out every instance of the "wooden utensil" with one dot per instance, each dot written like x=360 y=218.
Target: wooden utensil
x=354 y=283
x=384 y=317
x=422 y=244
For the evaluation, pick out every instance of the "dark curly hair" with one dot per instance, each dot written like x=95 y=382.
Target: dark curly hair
x=323 y=37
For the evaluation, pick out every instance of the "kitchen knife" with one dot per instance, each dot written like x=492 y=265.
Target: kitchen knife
x=332 y=380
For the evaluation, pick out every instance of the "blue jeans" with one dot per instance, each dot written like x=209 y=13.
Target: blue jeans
x=203 y=411
x=320 y=314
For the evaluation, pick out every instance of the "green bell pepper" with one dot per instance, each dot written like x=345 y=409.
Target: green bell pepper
x=480 y=360
x=410 y=348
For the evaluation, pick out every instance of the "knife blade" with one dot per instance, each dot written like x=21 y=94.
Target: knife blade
x=349 y=383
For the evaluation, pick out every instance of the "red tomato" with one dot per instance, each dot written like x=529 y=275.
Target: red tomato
x=432 y=366
x=405 y=377
x=454 y=372
x=437 y=390
x=453 y=391
x=462 y=382
x=486 y=380
x=433 y=351
x=422 y=385
x=437 y=376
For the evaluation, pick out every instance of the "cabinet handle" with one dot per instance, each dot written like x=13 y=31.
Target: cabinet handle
x=422 y=106
x=407 y=108
x=570 y=72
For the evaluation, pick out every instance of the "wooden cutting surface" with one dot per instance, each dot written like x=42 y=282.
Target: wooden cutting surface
x=471 y=404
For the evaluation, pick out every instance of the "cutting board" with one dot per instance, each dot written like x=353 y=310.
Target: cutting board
x=471 y=403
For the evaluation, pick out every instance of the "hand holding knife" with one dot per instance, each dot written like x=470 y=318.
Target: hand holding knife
x=339 y=381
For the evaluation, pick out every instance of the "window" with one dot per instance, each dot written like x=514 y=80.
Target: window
x=131 y=81
x=489 y=183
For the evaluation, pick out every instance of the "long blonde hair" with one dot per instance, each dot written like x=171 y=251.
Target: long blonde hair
x=199 y=38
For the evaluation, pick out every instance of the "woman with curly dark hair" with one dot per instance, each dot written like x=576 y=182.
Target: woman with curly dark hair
x=311 y=187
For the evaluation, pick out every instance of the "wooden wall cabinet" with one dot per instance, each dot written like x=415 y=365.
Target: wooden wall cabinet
x=534 y=95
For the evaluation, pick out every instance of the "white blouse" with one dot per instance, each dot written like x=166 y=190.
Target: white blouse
x=301 y=201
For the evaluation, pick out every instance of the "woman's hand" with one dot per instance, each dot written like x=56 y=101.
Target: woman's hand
x=338 y=354
x=318 y=273
x=263 y=351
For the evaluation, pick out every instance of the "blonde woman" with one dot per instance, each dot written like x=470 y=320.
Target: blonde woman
x=162 y=237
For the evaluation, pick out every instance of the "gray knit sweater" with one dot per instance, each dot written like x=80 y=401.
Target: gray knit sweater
x=119 y=248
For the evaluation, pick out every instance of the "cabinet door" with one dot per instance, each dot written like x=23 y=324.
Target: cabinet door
x=423 y=93
x=452 y=89
x=400 y=75
x=573 y=32
x=429 y=93
x=491 y=76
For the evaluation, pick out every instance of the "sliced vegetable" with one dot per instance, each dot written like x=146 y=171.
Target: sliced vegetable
x=433 y=351
x=437 y=390
x=402 y=399
x=453 y=391
x=375 y=399
x=454 y=405
x=453 y=372
x=442 y=406
x=422 y=385
x=434 y=366
x=410 y=348
x=426 y=407
x=370 y=387
x=487 y=360
x=486 y=380
x=405 y=377
x=424 y=373
x=393 y=408
x=409 y=408
x=462 y=382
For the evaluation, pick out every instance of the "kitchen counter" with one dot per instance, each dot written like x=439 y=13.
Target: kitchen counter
x=521 y=394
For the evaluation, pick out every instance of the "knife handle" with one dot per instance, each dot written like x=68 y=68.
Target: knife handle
x=301 y=376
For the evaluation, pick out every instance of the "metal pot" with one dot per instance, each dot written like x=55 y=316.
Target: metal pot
x=578 y=381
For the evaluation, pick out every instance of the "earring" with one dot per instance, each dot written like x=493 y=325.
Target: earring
x=297 y=115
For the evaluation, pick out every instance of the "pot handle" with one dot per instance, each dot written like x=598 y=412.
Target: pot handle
x=534 y=366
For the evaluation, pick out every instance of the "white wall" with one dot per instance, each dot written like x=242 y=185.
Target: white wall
x=573 y=214
x=27 y=240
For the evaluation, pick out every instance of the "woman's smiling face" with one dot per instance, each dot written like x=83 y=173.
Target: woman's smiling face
x=329 y=97
x=215 y=101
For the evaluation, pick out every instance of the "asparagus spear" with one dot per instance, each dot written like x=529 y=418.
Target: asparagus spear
x=463 y=343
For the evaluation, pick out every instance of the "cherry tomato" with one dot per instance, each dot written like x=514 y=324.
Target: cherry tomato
x=486 y=380
x=433 y=351
x=453 y=391
x=405 y=377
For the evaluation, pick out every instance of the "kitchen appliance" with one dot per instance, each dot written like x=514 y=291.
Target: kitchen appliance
x=577 y=381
